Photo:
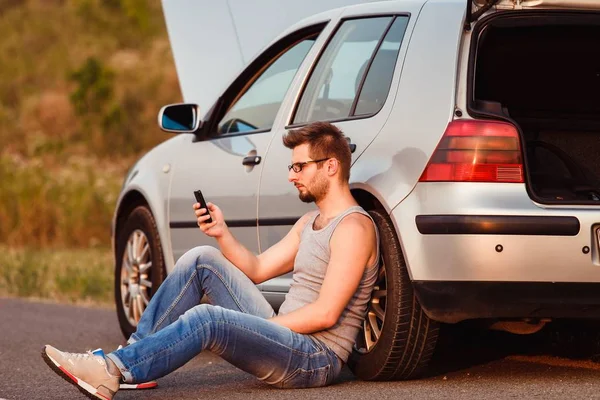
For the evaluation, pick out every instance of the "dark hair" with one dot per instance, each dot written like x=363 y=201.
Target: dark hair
x=324 y=140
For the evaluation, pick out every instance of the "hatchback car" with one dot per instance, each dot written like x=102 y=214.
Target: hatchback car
x=474 y=128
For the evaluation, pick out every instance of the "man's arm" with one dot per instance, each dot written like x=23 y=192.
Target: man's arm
x=353 y=248
x=279 y=258
x=275 y=261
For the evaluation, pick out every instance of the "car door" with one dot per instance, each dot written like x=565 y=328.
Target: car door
x=225 y=158
x=351 y=85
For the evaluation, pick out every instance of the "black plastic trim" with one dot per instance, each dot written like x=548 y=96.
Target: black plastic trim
x=277 y=221
x=239 y=223
x=183 y=224
x=497 y=225
x=455 y=301
x=232 y=224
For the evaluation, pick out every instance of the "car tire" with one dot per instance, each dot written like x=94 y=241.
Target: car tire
x=407 y=337
x=134 y=286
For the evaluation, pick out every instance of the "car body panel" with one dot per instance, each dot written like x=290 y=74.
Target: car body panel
x=150 y=177
x=475 y=257
x=215 y=167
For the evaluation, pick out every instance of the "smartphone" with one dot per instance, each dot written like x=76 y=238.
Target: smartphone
x=200 y=199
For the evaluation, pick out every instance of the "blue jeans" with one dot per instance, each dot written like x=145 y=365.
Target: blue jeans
x=175 y=327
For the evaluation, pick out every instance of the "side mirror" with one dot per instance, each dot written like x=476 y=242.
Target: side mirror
x=179 y=118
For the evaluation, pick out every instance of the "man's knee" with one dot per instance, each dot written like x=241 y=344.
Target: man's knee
x=208 y=255
x=199 y=255
x=208 y=311
x=207 y=319
x=206 y=315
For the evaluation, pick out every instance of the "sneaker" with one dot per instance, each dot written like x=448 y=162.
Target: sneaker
x=137 y=386
x=87 y=371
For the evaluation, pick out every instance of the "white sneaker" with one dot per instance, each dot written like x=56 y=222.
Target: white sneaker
x=137 y=386
x=87 y=371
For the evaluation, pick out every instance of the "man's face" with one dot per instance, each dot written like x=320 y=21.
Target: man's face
x=312 y=182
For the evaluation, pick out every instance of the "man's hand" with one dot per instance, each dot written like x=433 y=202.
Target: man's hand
x=276 y=261
x=217 y=227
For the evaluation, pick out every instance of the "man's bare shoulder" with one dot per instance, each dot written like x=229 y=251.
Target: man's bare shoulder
x=356 y=228
x=358 y=221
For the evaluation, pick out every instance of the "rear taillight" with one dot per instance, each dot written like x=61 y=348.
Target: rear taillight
x=476 y=151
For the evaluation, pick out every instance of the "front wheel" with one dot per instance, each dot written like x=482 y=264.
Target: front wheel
x=398 y=339
x=139 y=269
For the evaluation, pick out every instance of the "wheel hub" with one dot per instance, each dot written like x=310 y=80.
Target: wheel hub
x=136 y=276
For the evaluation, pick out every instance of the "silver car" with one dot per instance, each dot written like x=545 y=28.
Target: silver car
x=474 y=128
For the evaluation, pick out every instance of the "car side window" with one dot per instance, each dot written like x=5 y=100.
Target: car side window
x=353 y=75
x=257 y=105
x=377 y=83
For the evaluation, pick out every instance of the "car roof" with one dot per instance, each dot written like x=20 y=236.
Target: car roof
x=356 y=9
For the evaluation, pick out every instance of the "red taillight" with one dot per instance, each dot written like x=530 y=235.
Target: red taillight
x=476 y=151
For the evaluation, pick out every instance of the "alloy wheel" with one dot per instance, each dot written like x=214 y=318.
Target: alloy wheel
x=373 y=324
x=136 y=277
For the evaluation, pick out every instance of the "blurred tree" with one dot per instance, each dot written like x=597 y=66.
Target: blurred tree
x=94 y=86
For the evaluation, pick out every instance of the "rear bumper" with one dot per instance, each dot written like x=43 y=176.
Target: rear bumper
x=455 y=301
x=479 y=232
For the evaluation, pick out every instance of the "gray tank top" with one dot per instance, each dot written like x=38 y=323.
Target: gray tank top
x=310 y=267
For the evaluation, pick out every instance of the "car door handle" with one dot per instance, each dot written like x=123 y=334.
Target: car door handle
x=251 y=160
x=352 y=145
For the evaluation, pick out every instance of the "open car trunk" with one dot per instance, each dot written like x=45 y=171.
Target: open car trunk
x=542 y=72
x=530 y=4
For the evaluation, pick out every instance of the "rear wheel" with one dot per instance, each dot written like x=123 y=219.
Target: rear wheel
x=139 y=267
x=398 y=339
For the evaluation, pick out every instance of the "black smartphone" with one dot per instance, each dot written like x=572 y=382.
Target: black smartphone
x=200 y=199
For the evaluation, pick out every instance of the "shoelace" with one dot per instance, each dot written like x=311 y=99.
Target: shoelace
x=86 y=355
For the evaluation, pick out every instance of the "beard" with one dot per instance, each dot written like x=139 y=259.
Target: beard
x=319 y=189
x=307 y=197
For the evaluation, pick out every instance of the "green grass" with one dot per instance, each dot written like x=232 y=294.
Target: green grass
x=82 y=82
x=66 y=206
x=63 y=275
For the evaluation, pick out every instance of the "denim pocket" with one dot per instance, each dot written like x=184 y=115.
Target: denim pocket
x=316 y=344
x=302 y=378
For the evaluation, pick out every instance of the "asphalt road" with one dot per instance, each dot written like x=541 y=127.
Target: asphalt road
x=558 y=363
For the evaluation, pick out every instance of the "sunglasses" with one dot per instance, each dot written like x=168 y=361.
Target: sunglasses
x=297 y=167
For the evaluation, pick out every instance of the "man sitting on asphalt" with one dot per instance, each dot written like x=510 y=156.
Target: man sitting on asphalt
x=333 y=252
